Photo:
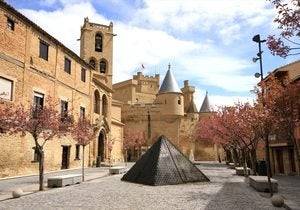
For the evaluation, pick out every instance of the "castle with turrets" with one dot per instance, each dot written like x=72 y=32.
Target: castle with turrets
x=35 y=66
x=166 y=109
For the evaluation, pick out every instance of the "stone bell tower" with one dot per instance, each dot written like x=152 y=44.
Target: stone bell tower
x=96 y=48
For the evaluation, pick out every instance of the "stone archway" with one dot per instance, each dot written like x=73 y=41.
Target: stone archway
x=101 y=145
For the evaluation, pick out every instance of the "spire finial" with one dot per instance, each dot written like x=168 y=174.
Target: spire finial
x=169 y=66
x=206 y=92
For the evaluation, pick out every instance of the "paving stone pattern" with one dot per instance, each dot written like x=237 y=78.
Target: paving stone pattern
x=225 y=191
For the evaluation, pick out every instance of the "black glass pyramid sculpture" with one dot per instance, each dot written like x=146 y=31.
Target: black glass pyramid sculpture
x=164 y=164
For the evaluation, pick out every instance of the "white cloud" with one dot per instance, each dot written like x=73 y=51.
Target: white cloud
x=205 y=14
x=64 y=24
x=134 y=46
x=230 y=34
x=63 y=2
x=136 y=43
x=219 y=70
x=216 y=101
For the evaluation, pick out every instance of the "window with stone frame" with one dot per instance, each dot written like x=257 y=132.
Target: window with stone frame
x=82 y=112
x=38 y=103
x=63 y=110
x=83 y=74
x=10 y=24
x=6 y=89
x=67 y=65
x=44 y=50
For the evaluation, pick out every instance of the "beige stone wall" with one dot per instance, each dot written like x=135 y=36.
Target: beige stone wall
x=20 y=62
x=17 y=155
x=12 y=42
x=117 y=136
x=171 y=103
x=140 y=89
x=117 y=132
x=126 y=93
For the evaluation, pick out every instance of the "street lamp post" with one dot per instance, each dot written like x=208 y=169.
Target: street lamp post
x=257 y=39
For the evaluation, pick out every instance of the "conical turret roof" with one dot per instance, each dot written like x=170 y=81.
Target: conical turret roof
x=169 y=84
x=205 y=107
x=164 y=164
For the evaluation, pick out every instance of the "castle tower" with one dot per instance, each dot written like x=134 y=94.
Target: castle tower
x=188 y=94
x=96 y=48
x=192 y=107
x=170 y=96
x=205 y=107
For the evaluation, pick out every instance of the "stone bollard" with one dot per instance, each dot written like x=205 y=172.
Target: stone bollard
x=17 y=193
x=277 y=200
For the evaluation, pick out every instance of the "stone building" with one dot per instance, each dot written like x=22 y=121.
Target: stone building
x=282 y=154
x=33 y=66
x=166 y=110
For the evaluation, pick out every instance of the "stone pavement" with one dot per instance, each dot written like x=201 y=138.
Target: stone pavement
x=225 y=191
x=289 y=188
x=29 y=184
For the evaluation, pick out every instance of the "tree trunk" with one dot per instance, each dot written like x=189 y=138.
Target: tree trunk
x=228 y=156
x=234 y=154
x=244 y=162
x=269 y=174
x=240 y=158
x=218 y=154
x=83 y=147
x=253 y=161
x=41 y=169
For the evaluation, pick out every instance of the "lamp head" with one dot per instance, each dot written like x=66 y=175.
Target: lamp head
x=257 y=75
x=256 y=38
x=255 y=59
x=259 y=54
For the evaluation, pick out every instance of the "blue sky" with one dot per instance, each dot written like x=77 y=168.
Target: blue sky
x=207 y=41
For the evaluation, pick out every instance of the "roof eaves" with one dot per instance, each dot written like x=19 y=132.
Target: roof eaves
x=43 y=32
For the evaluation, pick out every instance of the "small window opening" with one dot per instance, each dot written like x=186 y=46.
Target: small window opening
x=67 y=65
x=83 y=74
x=10 y=24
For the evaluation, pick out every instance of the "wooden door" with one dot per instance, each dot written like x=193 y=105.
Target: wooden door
x=292 y=160
x=280 y=165
x=65 y=157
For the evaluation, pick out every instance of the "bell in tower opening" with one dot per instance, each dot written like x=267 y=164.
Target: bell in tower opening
x=98 y=42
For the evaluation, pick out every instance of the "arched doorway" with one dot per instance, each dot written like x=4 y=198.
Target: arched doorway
x=101 y=140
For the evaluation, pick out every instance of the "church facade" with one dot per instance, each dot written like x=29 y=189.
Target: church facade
x=163 y=110
x=34 y=66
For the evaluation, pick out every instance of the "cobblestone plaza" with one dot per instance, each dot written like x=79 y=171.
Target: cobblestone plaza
x=225 y=191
